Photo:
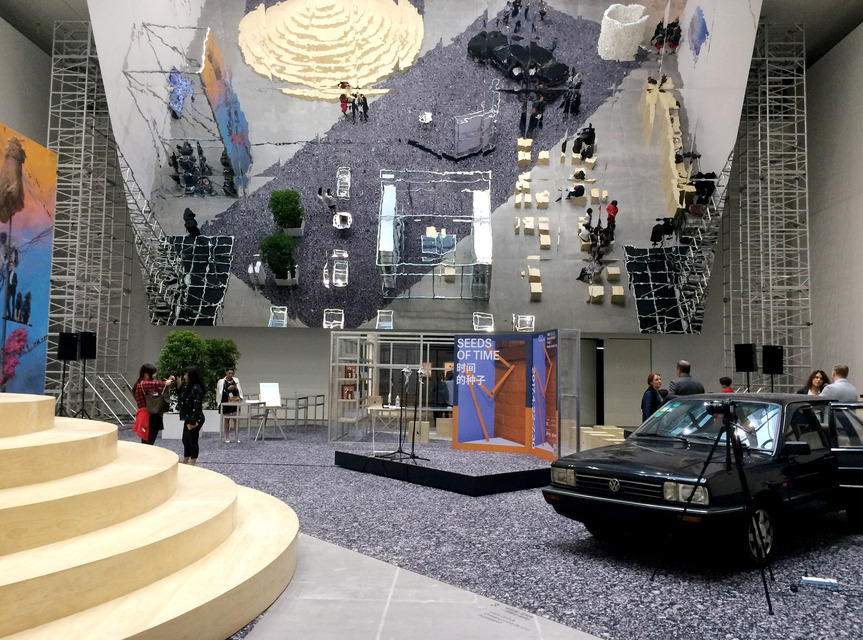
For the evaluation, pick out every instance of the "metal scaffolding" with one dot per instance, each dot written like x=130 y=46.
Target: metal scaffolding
x=92 y=261
x=766 y=237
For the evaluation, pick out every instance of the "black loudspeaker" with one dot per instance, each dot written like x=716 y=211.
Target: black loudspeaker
x=87 y=343
x=773 y=359
x=745 y=360
x=67 y=346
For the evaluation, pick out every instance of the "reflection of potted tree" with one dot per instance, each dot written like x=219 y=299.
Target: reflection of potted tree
x=288 y=211
x=277 y=250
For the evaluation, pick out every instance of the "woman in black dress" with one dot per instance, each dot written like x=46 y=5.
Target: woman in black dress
x=191 y=407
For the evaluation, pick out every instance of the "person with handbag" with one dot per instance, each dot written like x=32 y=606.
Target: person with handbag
x=191 y=408
x=228 y=392
x=151 y=405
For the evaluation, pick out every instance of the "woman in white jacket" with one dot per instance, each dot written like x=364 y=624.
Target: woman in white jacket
x=228 y=391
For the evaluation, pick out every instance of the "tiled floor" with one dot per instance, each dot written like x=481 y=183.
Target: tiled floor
x=338 y=593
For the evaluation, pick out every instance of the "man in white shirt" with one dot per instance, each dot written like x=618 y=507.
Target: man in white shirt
x=840 y=390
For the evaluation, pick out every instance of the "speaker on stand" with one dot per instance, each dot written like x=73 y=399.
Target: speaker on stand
x=86 y=351
x=773 y=361
x=67 y=349
x=745 y=360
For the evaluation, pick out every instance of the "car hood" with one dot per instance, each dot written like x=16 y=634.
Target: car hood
x=647 y=456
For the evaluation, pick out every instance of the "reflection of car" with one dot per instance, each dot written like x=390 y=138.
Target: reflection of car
x=800 y=454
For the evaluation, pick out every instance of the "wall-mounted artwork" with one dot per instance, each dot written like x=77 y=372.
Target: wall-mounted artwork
x=506 y=393
x=233 y=126
x=28 y=178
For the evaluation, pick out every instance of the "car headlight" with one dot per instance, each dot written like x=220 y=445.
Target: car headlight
x=678 y=492
x=562 y=475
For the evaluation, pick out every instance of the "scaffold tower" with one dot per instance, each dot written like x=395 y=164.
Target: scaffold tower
x=92 y=260
x=766 y=236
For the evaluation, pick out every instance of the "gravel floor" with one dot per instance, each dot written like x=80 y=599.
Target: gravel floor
x=514 y=548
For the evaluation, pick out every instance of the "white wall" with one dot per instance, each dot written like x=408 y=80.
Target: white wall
x=25 y=78
x=145 y=40
x=713 y=85
x=834 y=96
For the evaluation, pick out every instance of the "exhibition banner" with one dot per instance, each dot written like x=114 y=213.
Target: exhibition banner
x=28 y=180
x=506 y=393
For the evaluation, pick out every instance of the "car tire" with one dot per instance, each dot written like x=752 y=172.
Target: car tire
x=764 y=519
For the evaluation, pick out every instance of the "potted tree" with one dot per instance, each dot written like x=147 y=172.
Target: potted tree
x=277 y=251
x=183 y=348
x=288 y=211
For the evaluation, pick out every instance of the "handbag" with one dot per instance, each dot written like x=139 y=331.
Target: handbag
x=142 y=424
x=156 y=404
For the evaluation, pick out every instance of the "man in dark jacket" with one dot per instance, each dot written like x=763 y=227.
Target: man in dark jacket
x=685 y=385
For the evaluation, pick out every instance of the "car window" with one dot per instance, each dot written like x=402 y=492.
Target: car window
x=757 y=422
x=848 y=423
x=805 y=425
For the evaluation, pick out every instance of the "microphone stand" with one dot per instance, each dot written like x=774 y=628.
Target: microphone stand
x=415 y=433
x=400 y=453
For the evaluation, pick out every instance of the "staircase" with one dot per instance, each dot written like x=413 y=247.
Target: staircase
x=108 y=539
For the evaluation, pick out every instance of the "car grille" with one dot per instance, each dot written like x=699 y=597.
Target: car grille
x=629 y=489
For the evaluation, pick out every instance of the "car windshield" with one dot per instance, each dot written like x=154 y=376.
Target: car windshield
x=756 y=425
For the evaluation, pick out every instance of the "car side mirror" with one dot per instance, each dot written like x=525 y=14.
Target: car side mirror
x=793 y=448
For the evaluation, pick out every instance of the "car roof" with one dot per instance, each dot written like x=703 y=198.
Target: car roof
x=777 y=398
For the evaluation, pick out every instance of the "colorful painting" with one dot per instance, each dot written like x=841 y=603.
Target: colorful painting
x=28 y=179
x=506 y=393
x=233 y=126
x=697 y=33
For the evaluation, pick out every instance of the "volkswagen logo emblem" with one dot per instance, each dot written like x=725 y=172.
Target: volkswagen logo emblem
x=614 y=484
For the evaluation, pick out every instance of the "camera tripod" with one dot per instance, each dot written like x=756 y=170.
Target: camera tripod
x=733 y=447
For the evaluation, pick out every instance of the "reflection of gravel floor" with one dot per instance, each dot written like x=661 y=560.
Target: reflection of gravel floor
x=512 y=547
x=445 y=82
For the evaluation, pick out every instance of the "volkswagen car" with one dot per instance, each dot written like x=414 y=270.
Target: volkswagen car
x=787 y=455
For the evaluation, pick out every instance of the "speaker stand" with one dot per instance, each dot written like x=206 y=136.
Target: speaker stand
x=748 y=388
x=61 y=410
x=82 y=412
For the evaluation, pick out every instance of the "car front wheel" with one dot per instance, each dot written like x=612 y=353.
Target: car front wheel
x=760 y=535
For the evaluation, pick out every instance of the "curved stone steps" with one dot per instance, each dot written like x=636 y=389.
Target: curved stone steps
x=208 y=600
x=22 y=413
x=71 y=446
x=138 y=479
x=70 y=576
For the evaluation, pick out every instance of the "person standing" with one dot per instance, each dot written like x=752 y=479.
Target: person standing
x=364 y=106
x=840 y=389
x=228 y=392
x=652 y=399
x=147 y=385
x=725 y=383
x=815 y=383
x=685 y=384
x=191 y=407
x=11 y=288
x=611 y=210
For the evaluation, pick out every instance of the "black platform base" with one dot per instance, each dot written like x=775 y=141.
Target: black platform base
x=480 y=485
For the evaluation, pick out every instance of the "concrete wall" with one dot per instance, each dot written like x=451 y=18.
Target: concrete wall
x=713 y=82
x=25 y=78
x=145 y=40
x=834 y=95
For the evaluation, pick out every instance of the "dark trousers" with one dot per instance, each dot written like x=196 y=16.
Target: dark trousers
x=190 y=440
x=156 y=425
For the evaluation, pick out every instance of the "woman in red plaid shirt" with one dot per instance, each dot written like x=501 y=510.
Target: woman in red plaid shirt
x=146 y=385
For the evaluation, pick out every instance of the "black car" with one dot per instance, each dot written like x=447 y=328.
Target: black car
x=798 y=455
